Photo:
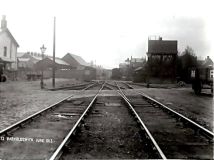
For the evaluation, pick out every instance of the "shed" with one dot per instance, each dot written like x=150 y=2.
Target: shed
x=75 y=61
x=48 y=63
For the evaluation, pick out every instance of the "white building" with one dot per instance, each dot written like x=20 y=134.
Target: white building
x=8 y=47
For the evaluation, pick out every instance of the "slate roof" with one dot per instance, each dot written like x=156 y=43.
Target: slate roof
x=206 y=63
x=20 y=54
x=59 y=61
x=23 y=59
x=28 y=55
x=162 y=47
x=48 y=62
x=11 y=36
x=79 y=59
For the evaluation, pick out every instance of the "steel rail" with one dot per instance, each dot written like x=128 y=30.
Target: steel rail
x=111 y=84
x=108 y=87
x=13 y=126
x=160 y=152
x=70 y=87
x=206 y=131
x=17 y=124
x=129 y=86
x=89 y=86
x=58 y=151
x=120 y=84
x=82 y=85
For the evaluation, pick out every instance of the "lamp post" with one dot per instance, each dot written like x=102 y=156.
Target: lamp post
x=42 y=51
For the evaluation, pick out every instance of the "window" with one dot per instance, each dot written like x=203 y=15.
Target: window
x=5 y=51
x=211 y=73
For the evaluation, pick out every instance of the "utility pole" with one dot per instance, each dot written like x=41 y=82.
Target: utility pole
x=53 y=69
x=43 y=49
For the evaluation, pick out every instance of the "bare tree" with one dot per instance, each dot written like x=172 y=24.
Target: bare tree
x=187 y=60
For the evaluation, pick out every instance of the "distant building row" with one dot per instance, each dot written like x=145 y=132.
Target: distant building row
x=69 y=61
x=163 y=63
x=23 y=64
x=70 y=66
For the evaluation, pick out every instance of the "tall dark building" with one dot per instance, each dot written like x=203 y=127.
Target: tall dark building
x=162 y=58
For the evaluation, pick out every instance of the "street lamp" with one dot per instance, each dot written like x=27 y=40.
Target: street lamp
x=43 y=51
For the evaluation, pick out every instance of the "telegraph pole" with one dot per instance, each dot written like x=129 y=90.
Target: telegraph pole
x=53 y=69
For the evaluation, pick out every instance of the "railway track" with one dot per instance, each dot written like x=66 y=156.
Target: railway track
x=124 y=85
x=177 y=135
x=102 y=127
x=110 y=131
x=48 y=133
x=83 y=86
x=111 y=85
x=37 y=136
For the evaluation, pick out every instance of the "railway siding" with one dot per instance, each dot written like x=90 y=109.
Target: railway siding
x=109 y=132
x=174 y=138
x=46 y=131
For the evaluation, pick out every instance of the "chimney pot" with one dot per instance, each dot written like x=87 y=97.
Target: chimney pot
x=3 y=22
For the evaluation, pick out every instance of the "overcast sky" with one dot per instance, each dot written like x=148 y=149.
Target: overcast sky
x=109 y=31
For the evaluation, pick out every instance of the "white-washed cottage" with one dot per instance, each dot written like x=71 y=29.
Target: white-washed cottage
x=8 y=47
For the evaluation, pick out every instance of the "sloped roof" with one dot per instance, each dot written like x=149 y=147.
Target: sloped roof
x=206 y=63
x=59 y=61
x=11 y=36
x=20 y=54
x=123 y=65
x=79 y=59
x=37 y=58
x=27 y=55
x=23 y=59
x=48 y=62
x=162 y=47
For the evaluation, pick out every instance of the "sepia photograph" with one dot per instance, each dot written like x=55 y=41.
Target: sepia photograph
x=106 y=79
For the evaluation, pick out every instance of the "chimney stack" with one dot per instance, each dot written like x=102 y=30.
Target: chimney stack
x=3 y=22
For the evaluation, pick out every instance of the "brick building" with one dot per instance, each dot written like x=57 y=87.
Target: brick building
x=162 y=56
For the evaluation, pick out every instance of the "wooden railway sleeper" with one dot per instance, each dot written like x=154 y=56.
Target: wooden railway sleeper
x=22 y=125
x=149 y=147
x=67 y=148
x=141 y=127
x=178 y=119
x=10 y=133
x=210 y=139
x=74 y=132
x=187 y=124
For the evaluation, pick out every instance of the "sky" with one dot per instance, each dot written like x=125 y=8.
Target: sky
x=108 y=32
